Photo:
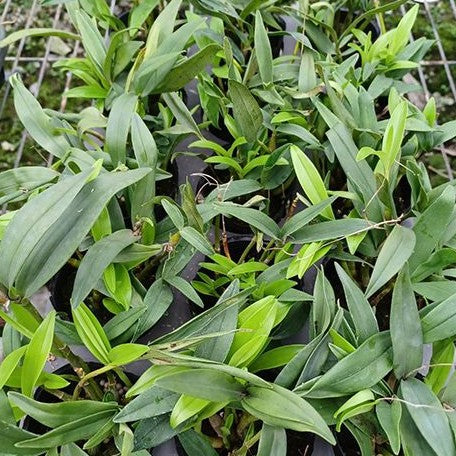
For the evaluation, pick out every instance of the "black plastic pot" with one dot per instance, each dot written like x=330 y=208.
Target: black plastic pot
x=343 y=14
x=61 y=287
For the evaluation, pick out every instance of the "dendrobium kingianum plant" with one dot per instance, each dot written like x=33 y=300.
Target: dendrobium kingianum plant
x=243 y=250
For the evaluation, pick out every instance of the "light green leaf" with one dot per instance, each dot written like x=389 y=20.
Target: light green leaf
x=9 y=363
x=126 y=353
x=91 y=333
x=37 y=353
x=310 y=179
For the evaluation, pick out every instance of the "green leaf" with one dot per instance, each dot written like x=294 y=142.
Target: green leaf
x=153 y=402
x=9 y=364
x=38 y=124
x=141 y=12
x=330 y=230
x=359 y=174
x=435 y=264
x=439 y=323
x=247 y=268
x=300 y=132
x=277 y=406
x=185 y=72
x=273 y=440
x=428 y=233
x=389 y=416
x=181 y=112
x=157 y=300
x=276 y=357
x=197 y=240
x=392 y=139
x=40 y=213
x=217 y=348
x=360 y=310
x=119 y=122
x=118 y=285
x=359 y=370
x=396 y=250
x=35 y=32
x=405 y=325
x=60 y=413
x=246 y=110
x=151 y=432
x=91 y=333
x=310 y=179
x=53 y=245
x=10 y=434
x=74 y=431
x=263 y=50
x=96 y=260
x=255 y=323
x=152 y=72
x=413 y=443
x=37 y=353
x=307 y=75
x=436 y=291
x=362 y=402
x=253 y=217
x=203 y=383
x=428 y=415
x=186 y=289
x=162 y=27
x=91 y=38
x=302 y=218
x=441 y=365
x=19 y=182
x=195 y=444
x=126 y=353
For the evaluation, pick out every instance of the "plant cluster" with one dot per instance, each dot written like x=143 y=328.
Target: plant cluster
x=244 y=252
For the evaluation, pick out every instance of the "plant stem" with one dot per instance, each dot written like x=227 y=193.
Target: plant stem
x=381 y=21
x=247 y=249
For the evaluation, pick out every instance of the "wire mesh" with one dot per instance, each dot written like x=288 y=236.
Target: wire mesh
x=16 y=58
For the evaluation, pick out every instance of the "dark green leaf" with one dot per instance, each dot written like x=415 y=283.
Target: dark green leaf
x=203 y=383
x=405 y=325
x=428 y=415
x=246 y=110
x=359 y=370
x=360 y=310
x=96 y=260
x=153 y=402
x=396 y=250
